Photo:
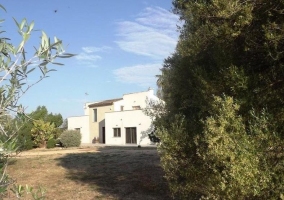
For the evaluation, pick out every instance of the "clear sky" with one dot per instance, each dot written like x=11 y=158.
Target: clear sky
x=120 y=47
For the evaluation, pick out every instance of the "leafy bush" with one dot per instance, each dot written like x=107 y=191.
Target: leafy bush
x=178 y=172
x=70 y=138
x=42 y=132
x=238 y=161
x=25 y=142
x=227 y=161
x=225 y=81
x=51 y=143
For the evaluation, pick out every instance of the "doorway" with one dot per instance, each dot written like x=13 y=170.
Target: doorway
x=104 y=135
x=131 y=136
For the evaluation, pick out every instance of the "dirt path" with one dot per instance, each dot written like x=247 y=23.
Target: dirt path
x=82 y=149
x=58 y=151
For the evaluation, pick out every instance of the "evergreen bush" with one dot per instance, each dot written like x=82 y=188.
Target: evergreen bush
x=25 y=143
x=70 y=138
x=222 y=121
x=51 y=143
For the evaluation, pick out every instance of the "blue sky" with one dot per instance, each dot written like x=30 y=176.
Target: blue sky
x=120 y=47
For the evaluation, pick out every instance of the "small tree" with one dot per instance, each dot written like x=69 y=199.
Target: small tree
x=42 y=132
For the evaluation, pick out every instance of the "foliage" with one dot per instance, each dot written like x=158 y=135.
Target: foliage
x=226 y=162
x=41 y=113
x=173 y=150
x=25 y=142
x=70 y=138
x=51 y=143
x=42 y=132
x=15 y=68
x=153 y=137
x=21 y=191
x=222 y=124
x=238 y=158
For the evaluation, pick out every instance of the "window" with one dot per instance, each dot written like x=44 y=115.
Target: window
x=116 y=132
x=95 y=115
x=136 y=107
x=131 y=137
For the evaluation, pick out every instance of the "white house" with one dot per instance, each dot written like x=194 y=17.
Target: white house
x=81 y=123
x=118 y=121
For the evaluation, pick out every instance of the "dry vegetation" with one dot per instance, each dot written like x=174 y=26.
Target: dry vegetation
x=108 y=173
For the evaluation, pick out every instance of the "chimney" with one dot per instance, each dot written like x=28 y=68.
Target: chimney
x=151 y=91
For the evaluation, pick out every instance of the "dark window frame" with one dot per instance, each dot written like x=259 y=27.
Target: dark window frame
x=116 y=132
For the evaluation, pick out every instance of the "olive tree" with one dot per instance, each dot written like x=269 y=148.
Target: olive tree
x=15 y=68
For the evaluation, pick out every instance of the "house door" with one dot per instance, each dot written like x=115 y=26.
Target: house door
x=104 y=135
x=131 y=136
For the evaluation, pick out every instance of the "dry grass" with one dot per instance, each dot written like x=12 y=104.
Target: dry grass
x=109 y=173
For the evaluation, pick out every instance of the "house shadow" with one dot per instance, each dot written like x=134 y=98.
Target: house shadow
x=119 y=172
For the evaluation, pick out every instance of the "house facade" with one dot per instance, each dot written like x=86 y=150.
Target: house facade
x=81 y=123
x=97 y=119
x=128 y=127
x=118 y=121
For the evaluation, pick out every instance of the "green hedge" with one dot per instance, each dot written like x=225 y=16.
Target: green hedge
x=70 y=138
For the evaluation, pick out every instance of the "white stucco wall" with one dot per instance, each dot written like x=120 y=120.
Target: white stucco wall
x=135 y=99
x=138 y=99
x=82 y=123
x=152 y=96
x=86 y=108
x=124 y=119
x=117 y=105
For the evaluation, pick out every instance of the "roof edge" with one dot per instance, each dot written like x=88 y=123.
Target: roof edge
x=104 y=103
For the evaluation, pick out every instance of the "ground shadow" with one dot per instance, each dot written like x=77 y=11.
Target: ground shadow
x=121 y=173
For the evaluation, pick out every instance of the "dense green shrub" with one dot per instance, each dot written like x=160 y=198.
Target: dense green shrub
x=227 y=161
x=25 y=142
x=51 y=143
x=178 y=166
x=222 y=126
x=70 y=138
